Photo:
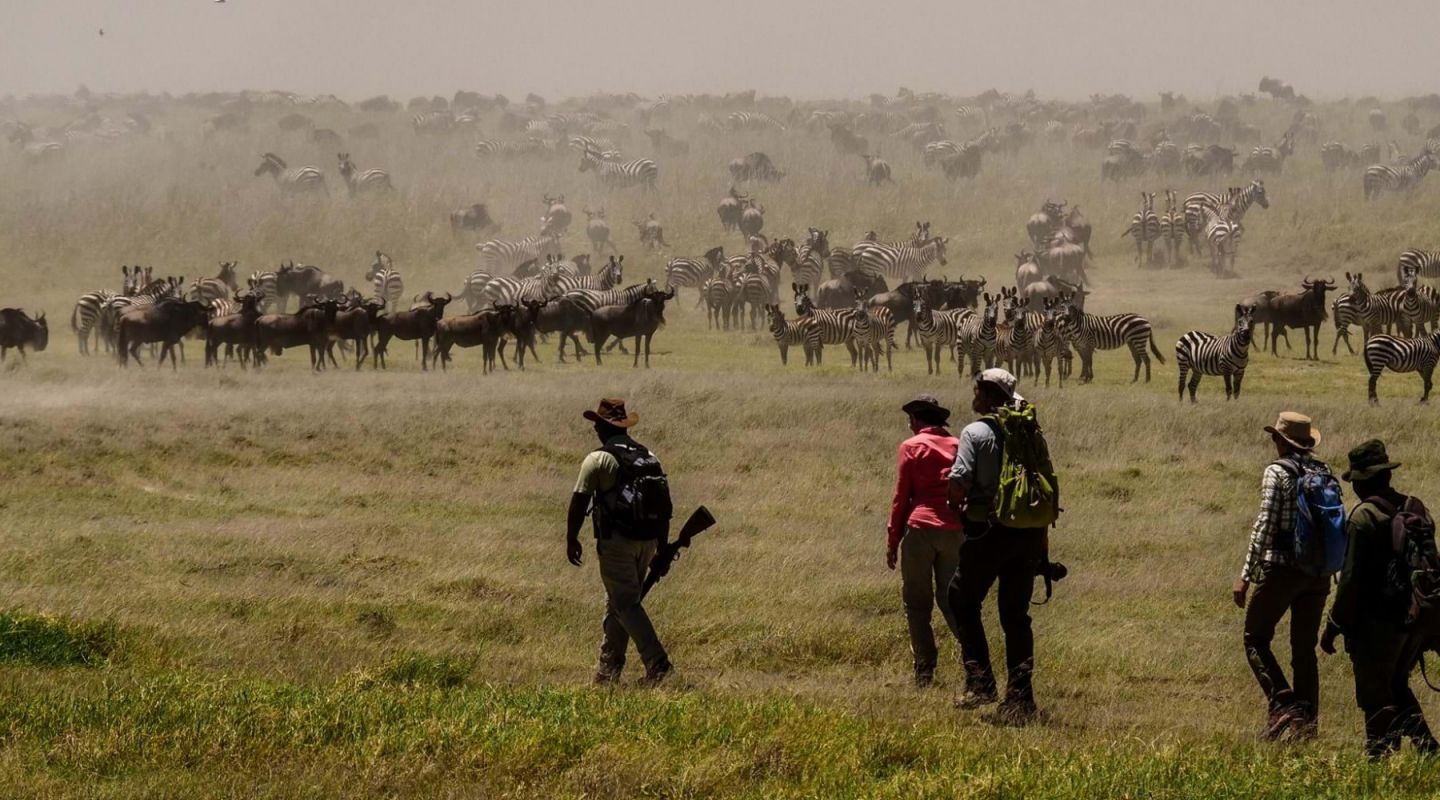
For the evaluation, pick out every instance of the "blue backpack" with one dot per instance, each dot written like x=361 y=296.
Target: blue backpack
x=1320 y=539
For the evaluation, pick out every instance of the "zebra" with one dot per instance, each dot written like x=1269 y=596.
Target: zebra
x=389 y=286
x=220 y=287
x=882 y=334
x=1237 y=199
x=1222 y=234
x=1227 y=356
x=1022 y=335
x=292 y=181
x=498 y=255
x=1343 y=310
x=1377 y=311
x=849 y=327
x=978 y=336
x=1172 y=229
x=590 y=299
x=718 y=294
x=604 y=147
x=509 y=148
x=751 y=121
x=370 y=180
x=877 y=170
x=607 y=278
x=265 y=284
x=756 y=285
x=1050 y=343
x=694 y=272
x=432 y=122
x=1420 y=263
x=937 y=330
x=474 y=288
x=1145 y=228
x=642 y=172
x=511 y=291
x=86 y=316
x=809 y=266
x=1271 y=159
x=1380 y=177
x=1396 y=354
x=1091 y=332
x=803 y=332
x=902 y=260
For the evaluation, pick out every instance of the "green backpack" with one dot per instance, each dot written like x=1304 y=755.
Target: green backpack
x=1027 y=496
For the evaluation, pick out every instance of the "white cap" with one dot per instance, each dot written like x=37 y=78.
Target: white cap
x=1001 y=379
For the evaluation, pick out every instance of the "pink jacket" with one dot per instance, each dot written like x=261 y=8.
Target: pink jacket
x=922 y=472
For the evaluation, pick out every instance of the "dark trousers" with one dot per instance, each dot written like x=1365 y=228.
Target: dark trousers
x=1009 y=556
x=1280 y=590
x=1383 y=658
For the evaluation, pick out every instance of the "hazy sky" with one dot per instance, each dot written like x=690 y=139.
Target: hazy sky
x=810 y=48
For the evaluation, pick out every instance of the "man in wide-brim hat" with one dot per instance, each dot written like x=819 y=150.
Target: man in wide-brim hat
x=1371 y=614
x=623 y=551
x=1281 y=587
x=923 y=535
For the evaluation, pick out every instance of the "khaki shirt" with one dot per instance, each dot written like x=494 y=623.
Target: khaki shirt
x=600 y=470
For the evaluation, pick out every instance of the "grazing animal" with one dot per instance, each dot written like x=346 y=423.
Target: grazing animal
x=235 y=330
x=1236 y=199
x=308 y=326
x=730 y=208
x=220 y=287
x=408 y=326
x=500 y=255
x=694 y=272
x=298 y=180
x=719 y=296
x=752 y=218
x=1381 y=178
x=937 y=330
x=482 y=328
x=1090 y=332
x=1172 y=229
x=1265 y=159
x=475 y=218
x=304 y=281
x=801 y=332
x=1305 y=310
x=1222 y=234
x=652 y=234
x=1227 y=356
x=639 y=319
x=355 y=324
x=85 y=319
x=164 y=322
x=877 y=170
x=1420 y=263
x=560 y=315
x=641 y=172
x=20 y=331
x=363 y=181
x=754 y=167
x=901 y=261
x=1420 y=355
x=850 y=326
x=389 y=286
x=598 y=230
x=978 y=336
x=1144 y=228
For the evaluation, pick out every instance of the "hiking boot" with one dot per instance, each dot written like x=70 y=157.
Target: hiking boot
x=924 y=680
x=1017 y=710
x=1280 y=722
x=656 y=674
x=606 y=676
x=976 y=698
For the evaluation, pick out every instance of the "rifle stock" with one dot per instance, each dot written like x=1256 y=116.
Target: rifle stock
x=700 y=521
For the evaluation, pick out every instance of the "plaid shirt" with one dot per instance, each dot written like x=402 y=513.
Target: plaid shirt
x=1272 y=536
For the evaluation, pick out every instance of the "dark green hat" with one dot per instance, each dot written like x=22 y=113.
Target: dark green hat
x=1368 y=460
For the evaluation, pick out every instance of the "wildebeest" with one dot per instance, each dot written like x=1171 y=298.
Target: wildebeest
x=166 y=322
x=752 y=218
x=840 y=292
x=416 y=323
x=1027 y=271
x=652 y=235
x=304 y=281
x=233 y=330
x=640 y=319
x=1305 y=310
x=355 y=324
x=598 y=230
x=474 y=218
x=20 y=331
x=877 y=170
x=729 y=209
x=562 y=316
x=756 y=166
x=482 y=328
x=1051 y=288
x=557 y=216
x=309 y=325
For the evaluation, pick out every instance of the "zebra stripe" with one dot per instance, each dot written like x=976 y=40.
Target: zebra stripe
x=903 y=261
x=1223 y=237
x=1091 y=332
x=433 y=122
x=389 y=286
x=850 y=327
x=506 y=147
x=86 y=316
x=1384 y=352
x=370 y=180
x=1226 y=356
x=1420 y=263
x=291 y=180
x=1380 y=177
x=264 y=284
x=802 y=332
x=752 y=121
x=1236 y=199
x=641 y=172
x=498 y=255
x=607 y=278
x=514 y=291
x=590 y=299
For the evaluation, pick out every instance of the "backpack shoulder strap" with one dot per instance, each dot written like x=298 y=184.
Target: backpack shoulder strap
x=1385 y=506
x=1290 y=465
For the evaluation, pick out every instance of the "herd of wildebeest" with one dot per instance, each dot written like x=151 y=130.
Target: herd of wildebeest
x=851 y=295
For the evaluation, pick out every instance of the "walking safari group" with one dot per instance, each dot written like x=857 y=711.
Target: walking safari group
x=971 y=514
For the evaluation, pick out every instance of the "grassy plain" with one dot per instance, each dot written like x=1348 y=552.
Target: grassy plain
x=283 y=585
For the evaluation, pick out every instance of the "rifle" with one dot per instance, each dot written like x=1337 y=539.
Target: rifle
x=668 y=552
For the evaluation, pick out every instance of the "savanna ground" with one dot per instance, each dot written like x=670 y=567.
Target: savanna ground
x=280 y=584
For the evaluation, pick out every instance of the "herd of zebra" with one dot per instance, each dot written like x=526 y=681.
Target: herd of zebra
x=1213 y=218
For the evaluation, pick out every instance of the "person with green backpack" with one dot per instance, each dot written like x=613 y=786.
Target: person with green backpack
x=1296 y=544
x=1004 y=487
x=1387 y=602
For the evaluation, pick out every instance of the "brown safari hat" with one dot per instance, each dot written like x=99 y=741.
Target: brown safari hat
x=1368 y=460
x=612 y=411
x=1295 y=428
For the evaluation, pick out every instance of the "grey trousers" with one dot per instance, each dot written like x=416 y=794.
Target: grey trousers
x=928 y=560
x=623 y=563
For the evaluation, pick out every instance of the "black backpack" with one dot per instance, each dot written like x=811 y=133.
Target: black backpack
x=1414 y=570
x=638 y=506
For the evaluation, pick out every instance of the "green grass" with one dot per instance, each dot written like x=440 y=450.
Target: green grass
x=285 y=585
